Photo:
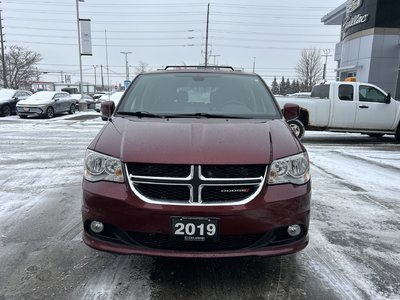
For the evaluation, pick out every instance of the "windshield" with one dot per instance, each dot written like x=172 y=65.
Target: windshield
x=200 y=94
x=6 y=93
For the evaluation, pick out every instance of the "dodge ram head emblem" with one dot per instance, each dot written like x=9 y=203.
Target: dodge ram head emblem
x=352 y=5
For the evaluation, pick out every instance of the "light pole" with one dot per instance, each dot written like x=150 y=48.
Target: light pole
x=214 y=55
x=254 y=64
x=126 y=63
x=84 y=107
x=95 y=77
x=326 y=54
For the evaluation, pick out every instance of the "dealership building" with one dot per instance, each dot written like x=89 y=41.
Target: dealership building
x=369 y=47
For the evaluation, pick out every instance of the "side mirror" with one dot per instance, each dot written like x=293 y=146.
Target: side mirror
x=107 y=109
x=388 y=98
x=291 y=111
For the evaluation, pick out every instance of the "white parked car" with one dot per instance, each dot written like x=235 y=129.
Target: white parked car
x=114 y=97
x=46 y=104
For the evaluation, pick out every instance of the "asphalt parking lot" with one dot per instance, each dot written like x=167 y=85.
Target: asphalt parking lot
x=354 y=235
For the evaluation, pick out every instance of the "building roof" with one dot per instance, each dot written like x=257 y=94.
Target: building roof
x=336 y=16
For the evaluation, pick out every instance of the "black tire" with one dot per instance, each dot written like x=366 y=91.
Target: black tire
x=5 y=111
x=297 y=127
x=23 y=116
x=397 y=135
x=72 y=109
x=49 y=112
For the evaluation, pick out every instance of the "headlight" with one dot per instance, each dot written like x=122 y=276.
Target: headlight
x=102 y=167
x=293 y=169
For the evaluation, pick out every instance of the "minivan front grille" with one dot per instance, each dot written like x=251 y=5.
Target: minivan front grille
x=196 y=184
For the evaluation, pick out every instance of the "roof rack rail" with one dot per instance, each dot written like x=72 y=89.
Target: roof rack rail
x=200 y=67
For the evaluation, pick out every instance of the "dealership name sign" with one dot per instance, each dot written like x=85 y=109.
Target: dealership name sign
x=352 y=6
x=355 y=20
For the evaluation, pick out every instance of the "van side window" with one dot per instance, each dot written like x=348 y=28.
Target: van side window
x=371 y=94
x=346 y=92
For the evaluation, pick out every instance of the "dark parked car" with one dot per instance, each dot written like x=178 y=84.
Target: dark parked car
x=46 y=104
x=197 y=162
x=90 y=102
x=9 y=99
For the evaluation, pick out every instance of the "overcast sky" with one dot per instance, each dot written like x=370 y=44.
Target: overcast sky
x=269 y=32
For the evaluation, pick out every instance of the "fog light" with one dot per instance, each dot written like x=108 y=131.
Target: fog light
x=294 y=230
x=96 y=226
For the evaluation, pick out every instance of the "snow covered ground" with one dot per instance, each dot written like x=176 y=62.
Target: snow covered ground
x=354 y=250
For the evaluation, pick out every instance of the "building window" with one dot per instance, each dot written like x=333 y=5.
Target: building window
x=344 y=75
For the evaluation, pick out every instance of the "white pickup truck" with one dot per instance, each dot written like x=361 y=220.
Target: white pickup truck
x=346 y=107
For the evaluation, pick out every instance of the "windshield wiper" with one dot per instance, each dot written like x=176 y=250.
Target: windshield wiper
x=207 y=115
x=140 y=114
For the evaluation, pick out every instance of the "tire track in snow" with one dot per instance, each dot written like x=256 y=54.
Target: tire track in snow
x=122 y=277
x=353 y=221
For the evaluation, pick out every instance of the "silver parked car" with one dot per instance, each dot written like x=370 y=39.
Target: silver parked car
x=46 y=104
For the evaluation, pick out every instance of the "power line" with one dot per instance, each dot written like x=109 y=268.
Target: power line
x=177 y=38
x=308 y=34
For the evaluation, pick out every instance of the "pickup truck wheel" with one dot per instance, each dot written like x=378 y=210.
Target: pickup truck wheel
x=297 y=127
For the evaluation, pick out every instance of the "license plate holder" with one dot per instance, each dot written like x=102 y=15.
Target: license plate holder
x=194 y=229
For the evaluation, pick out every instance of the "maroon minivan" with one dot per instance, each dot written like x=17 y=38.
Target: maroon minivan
x=197 y=162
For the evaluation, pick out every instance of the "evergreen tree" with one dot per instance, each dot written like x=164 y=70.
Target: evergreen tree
x=295 y=86
x=275 y=87
x=282 y=87
x=288 y=88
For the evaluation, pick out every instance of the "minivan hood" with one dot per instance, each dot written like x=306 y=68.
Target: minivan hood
x=196 y=141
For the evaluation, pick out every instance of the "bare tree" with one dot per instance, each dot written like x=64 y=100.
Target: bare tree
x=20 y=67
x=142 y=67
x=309 y=68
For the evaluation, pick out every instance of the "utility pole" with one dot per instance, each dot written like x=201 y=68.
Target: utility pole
x=254 y=64
x=208 y=20
x=326 y=54
x=102 y=77
x=126 y=63
x=3 y=60
x=95 y=77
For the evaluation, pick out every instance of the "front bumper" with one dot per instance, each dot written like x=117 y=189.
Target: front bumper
x=31 y=111
x=257 y=228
